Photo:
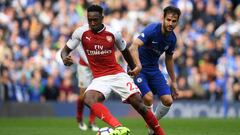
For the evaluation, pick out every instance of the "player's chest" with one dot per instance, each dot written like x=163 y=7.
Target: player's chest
x=160 y=44
x=98 y=41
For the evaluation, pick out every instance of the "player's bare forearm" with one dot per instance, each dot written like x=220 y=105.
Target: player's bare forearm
x=135 y=56
x=66 y=58
x=134 y=52
x=65 y=52
x=170 y=67
x=128 y=57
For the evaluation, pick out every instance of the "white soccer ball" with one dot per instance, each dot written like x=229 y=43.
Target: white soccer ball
x=104 y=131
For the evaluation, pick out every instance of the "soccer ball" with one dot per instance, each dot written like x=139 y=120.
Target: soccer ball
x=104 y=131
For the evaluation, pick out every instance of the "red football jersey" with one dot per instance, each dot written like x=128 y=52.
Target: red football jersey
x=99 y=49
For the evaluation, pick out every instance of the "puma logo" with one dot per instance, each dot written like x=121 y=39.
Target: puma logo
x=102 y=117
x=88 y=38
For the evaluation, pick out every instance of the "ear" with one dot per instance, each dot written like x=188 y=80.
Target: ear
x=162 y=17
x=101 y=18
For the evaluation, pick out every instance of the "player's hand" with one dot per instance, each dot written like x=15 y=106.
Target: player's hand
x=68 y=61
x=135 y=71
x=175 y=91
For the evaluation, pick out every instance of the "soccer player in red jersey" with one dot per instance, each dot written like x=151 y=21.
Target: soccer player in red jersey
x=84 y=76
x=98 y=41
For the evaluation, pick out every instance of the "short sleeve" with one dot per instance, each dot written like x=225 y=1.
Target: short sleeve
x=74 y=41
x=120 y=43
x=145 y=35
x=82 y=53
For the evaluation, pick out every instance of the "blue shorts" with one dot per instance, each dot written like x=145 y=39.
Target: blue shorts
x=152 y=81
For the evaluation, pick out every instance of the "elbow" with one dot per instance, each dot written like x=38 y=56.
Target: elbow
x=133 y=48
x=62 y=54
x=130 y=48
x=139 y=65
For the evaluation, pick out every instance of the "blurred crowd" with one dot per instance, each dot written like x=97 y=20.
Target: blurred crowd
x=32 y=32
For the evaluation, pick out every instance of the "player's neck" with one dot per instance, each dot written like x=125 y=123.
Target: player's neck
x=99 y=29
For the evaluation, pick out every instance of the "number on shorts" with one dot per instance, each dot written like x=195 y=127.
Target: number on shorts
x=131 y=86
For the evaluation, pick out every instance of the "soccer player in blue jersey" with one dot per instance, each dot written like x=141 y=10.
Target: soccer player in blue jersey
x=156 y=39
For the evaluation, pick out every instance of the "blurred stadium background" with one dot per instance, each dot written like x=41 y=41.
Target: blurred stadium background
x=34 y=81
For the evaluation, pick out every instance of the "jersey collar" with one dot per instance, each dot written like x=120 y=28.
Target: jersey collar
x=104 y=27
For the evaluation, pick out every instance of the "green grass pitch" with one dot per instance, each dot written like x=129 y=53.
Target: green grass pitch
x=68 y=126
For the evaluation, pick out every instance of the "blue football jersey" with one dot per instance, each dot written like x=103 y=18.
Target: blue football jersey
x=155 y=44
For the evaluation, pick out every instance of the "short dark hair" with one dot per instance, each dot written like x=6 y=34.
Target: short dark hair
x=171 y=9
x=95 y=8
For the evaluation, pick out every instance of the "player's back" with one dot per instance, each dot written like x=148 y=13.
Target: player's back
x=155 y=44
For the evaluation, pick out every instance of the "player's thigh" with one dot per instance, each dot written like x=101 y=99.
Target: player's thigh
x=100 y=85
x=124 y=86
x=84 y=76
x=159 y=85
x=142 y=84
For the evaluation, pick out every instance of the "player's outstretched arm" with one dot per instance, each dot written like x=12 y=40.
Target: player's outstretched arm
x=66 y=58
x=134 y=51
x=135 y=55
x=170 y=68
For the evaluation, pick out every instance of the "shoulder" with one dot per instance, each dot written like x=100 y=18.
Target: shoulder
x=115 y=33
x=80 y=30
x=111 y=30
x=149 y=31
x=152 y=29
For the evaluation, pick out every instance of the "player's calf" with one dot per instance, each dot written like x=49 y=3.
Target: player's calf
x=137 y=103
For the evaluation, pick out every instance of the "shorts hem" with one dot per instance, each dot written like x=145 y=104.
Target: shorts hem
x=125 y=101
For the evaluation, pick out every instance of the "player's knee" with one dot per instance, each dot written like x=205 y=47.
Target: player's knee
x=81 y=93
x=167 y=101
x=92 y=97
x=87 y=101
x=79 y=100
x=148 y=99
x=81 y=97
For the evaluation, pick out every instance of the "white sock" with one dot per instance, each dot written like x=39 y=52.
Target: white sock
x=161 y=110
x=150 y=108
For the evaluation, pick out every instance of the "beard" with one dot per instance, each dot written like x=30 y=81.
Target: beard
x=168 y=28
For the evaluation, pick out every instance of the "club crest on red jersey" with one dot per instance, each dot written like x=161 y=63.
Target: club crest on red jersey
x=109 y=38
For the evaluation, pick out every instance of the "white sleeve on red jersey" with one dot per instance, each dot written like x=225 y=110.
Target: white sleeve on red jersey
x=120 y=42
x=75 y=40
x=82 y=54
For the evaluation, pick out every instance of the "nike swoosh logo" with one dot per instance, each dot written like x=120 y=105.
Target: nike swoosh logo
x=154 y=42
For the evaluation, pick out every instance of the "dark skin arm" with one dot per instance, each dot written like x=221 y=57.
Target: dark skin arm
x=66 y=58
x=129 y=58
